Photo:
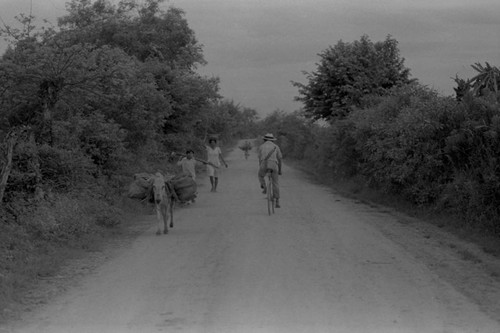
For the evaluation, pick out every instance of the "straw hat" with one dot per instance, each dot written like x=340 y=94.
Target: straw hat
x=269 y=137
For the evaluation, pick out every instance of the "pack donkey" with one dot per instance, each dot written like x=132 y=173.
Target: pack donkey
x=164 y=197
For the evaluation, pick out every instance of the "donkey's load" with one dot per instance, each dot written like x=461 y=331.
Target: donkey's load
x=140 y=186
x=185 y=187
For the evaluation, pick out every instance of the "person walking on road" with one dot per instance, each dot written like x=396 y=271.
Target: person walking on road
x=270 y=158
x=214 y=158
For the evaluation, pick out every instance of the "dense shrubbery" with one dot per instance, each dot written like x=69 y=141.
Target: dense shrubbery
x=432 y=150
x=400 y=142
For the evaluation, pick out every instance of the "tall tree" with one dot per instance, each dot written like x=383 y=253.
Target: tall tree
x=349 y=71
x=143 y=30
x=162 y=42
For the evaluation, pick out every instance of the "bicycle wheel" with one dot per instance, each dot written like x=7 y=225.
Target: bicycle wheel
x=270 y=195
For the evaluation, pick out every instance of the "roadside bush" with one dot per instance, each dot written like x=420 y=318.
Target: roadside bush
x=103 y=214
x=342 y=152
x=401 y=143
x=61 y=220
x=62 y=169
x=25 y=165
x=50 y=168
x=15 y=247
x=102 y=141
x=67 y=217
x=475 y=205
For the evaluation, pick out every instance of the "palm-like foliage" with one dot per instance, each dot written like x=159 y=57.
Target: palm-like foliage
x=462 y=88
x=487 y=78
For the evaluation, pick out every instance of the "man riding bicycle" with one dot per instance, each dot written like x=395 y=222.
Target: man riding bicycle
x=270 y=158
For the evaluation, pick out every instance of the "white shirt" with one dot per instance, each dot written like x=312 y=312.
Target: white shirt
x=188 y=167
x=213 y=155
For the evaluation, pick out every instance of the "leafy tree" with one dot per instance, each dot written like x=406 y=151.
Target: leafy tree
x=168 y=51
x=349 y=71
x=142 y=30
x=68 y=79
x=191 y=97
x=48 y=81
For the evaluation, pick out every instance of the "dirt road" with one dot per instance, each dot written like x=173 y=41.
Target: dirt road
x=323 y=263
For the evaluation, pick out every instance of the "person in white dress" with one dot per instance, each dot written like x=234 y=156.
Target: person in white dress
x=214 y=158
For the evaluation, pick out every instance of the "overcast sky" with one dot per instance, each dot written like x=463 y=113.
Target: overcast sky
x=257 y=47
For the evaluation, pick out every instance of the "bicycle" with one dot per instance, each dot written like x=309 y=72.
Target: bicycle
x=269 y=191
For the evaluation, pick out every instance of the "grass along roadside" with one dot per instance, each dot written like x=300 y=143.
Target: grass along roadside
x=39 y=245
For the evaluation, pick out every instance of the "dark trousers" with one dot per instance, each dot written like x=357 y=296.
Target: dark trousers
x=274 y=176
